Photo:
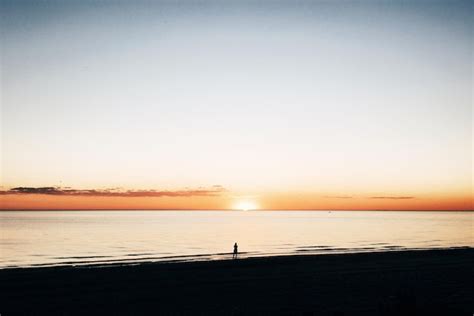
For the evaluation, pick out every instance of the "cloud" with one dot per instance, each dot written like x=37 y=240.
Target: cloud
x=392 y=197
x=213 y=191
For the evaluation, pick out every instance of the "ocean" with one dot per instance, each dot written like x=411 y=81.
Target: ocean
x=78 y=238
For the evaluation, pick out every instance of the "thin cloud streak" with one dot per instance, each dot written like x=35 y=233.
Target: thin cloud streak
x=58 y=191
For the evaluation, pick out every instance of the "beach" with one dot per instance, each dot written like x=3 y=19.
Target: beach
x=418 y=282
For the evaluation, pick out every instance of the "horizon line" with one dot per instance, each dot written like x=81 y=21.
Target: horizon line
x=237 y=210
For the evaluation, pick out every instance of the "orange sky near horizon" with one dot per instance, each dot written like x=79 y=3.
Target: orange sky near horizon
x=283 y=201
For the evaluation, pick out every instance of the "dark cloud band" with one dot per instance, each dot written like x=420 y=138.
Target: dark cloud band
x=213 y=191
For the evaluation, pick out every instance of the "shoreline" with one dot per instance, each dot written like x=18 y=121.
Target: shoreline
x=223 y=257
x=414 y=282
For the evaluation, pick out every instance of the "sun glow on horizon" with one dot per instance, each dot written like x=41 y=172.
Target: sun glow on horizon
x=245 y=206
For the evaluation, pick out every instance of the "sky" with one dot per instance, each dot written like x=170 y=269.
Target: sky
x=222 y=105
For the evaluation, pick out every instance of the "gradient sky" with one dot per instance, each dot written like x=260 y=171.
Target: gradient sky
x=308 y=105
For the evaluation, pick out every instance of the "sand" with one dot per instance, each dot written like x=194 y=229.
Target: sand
x=425 y=282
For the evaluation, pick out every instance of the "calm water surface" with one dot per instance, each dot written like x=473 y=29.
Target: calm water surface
x=45 y=238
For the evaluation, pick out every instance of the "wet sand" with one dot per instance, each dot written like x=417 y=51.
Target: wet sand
x=425 y=282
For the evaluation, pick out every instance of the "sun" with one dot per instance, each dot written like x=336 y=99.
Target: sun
x=245 y=206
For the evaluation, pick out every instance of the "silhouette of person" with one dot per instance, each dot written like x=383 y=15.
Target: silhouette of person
x=234 y=256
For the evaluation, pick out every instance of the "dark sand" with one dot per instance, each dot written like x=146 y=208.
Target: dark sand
x=430 y=282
